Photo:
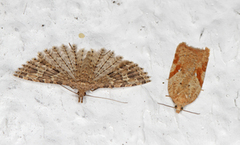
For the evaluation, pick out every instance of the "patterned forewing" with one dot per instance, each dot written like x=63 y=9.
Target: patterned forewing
x=37 y=71
x=126 y=74
x=102 y=64
x=80 y=57
x=51 y=57
x=72 y=53
x=58 y=56
x=67 y=66
x=67 y=57
x=87 y=68
x=107 y=64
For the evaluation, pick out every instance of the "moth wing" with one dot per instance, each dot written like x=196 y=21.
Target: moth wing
x=125 y=74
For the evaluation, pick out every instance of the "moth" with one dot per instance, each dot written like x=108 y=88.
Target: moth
x=82 y=70
x=187 y=74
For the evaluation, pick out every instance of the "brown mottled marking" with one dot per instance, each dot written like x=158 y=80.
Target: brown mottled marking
x=176 y=58
x=199 y=76
x=187 y=74
x=177 y=68
x=82 y=70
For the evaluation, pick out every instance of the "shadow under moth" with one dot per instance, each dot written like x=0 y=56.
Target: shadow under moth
x=187 y=74
x=82 y=70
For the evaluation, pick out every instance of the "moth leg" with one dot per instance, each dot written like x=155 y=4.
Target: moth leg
x=80 y=99
x=167 y=96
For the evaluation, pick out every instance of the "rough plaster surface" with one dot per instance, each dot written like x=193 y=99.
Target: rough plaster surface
x=144 y=31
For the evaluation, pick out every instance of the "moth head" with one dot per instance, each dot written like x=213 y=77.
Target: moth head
x=178 y=108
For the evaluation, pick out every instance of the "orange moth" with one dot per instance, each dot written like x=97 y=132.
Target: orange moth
x=187 y=74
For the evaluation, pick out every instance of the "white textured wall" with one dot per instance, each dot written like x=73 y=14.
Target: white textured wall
x=144 y=31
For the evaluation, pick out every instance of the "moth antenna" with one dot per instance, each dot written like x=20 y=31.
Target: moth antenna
x=191 y=112
x=167 y=96
x=95 y=96
x=69 y=90
x=182 y=110
x=166 y=105
x=107 y=99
